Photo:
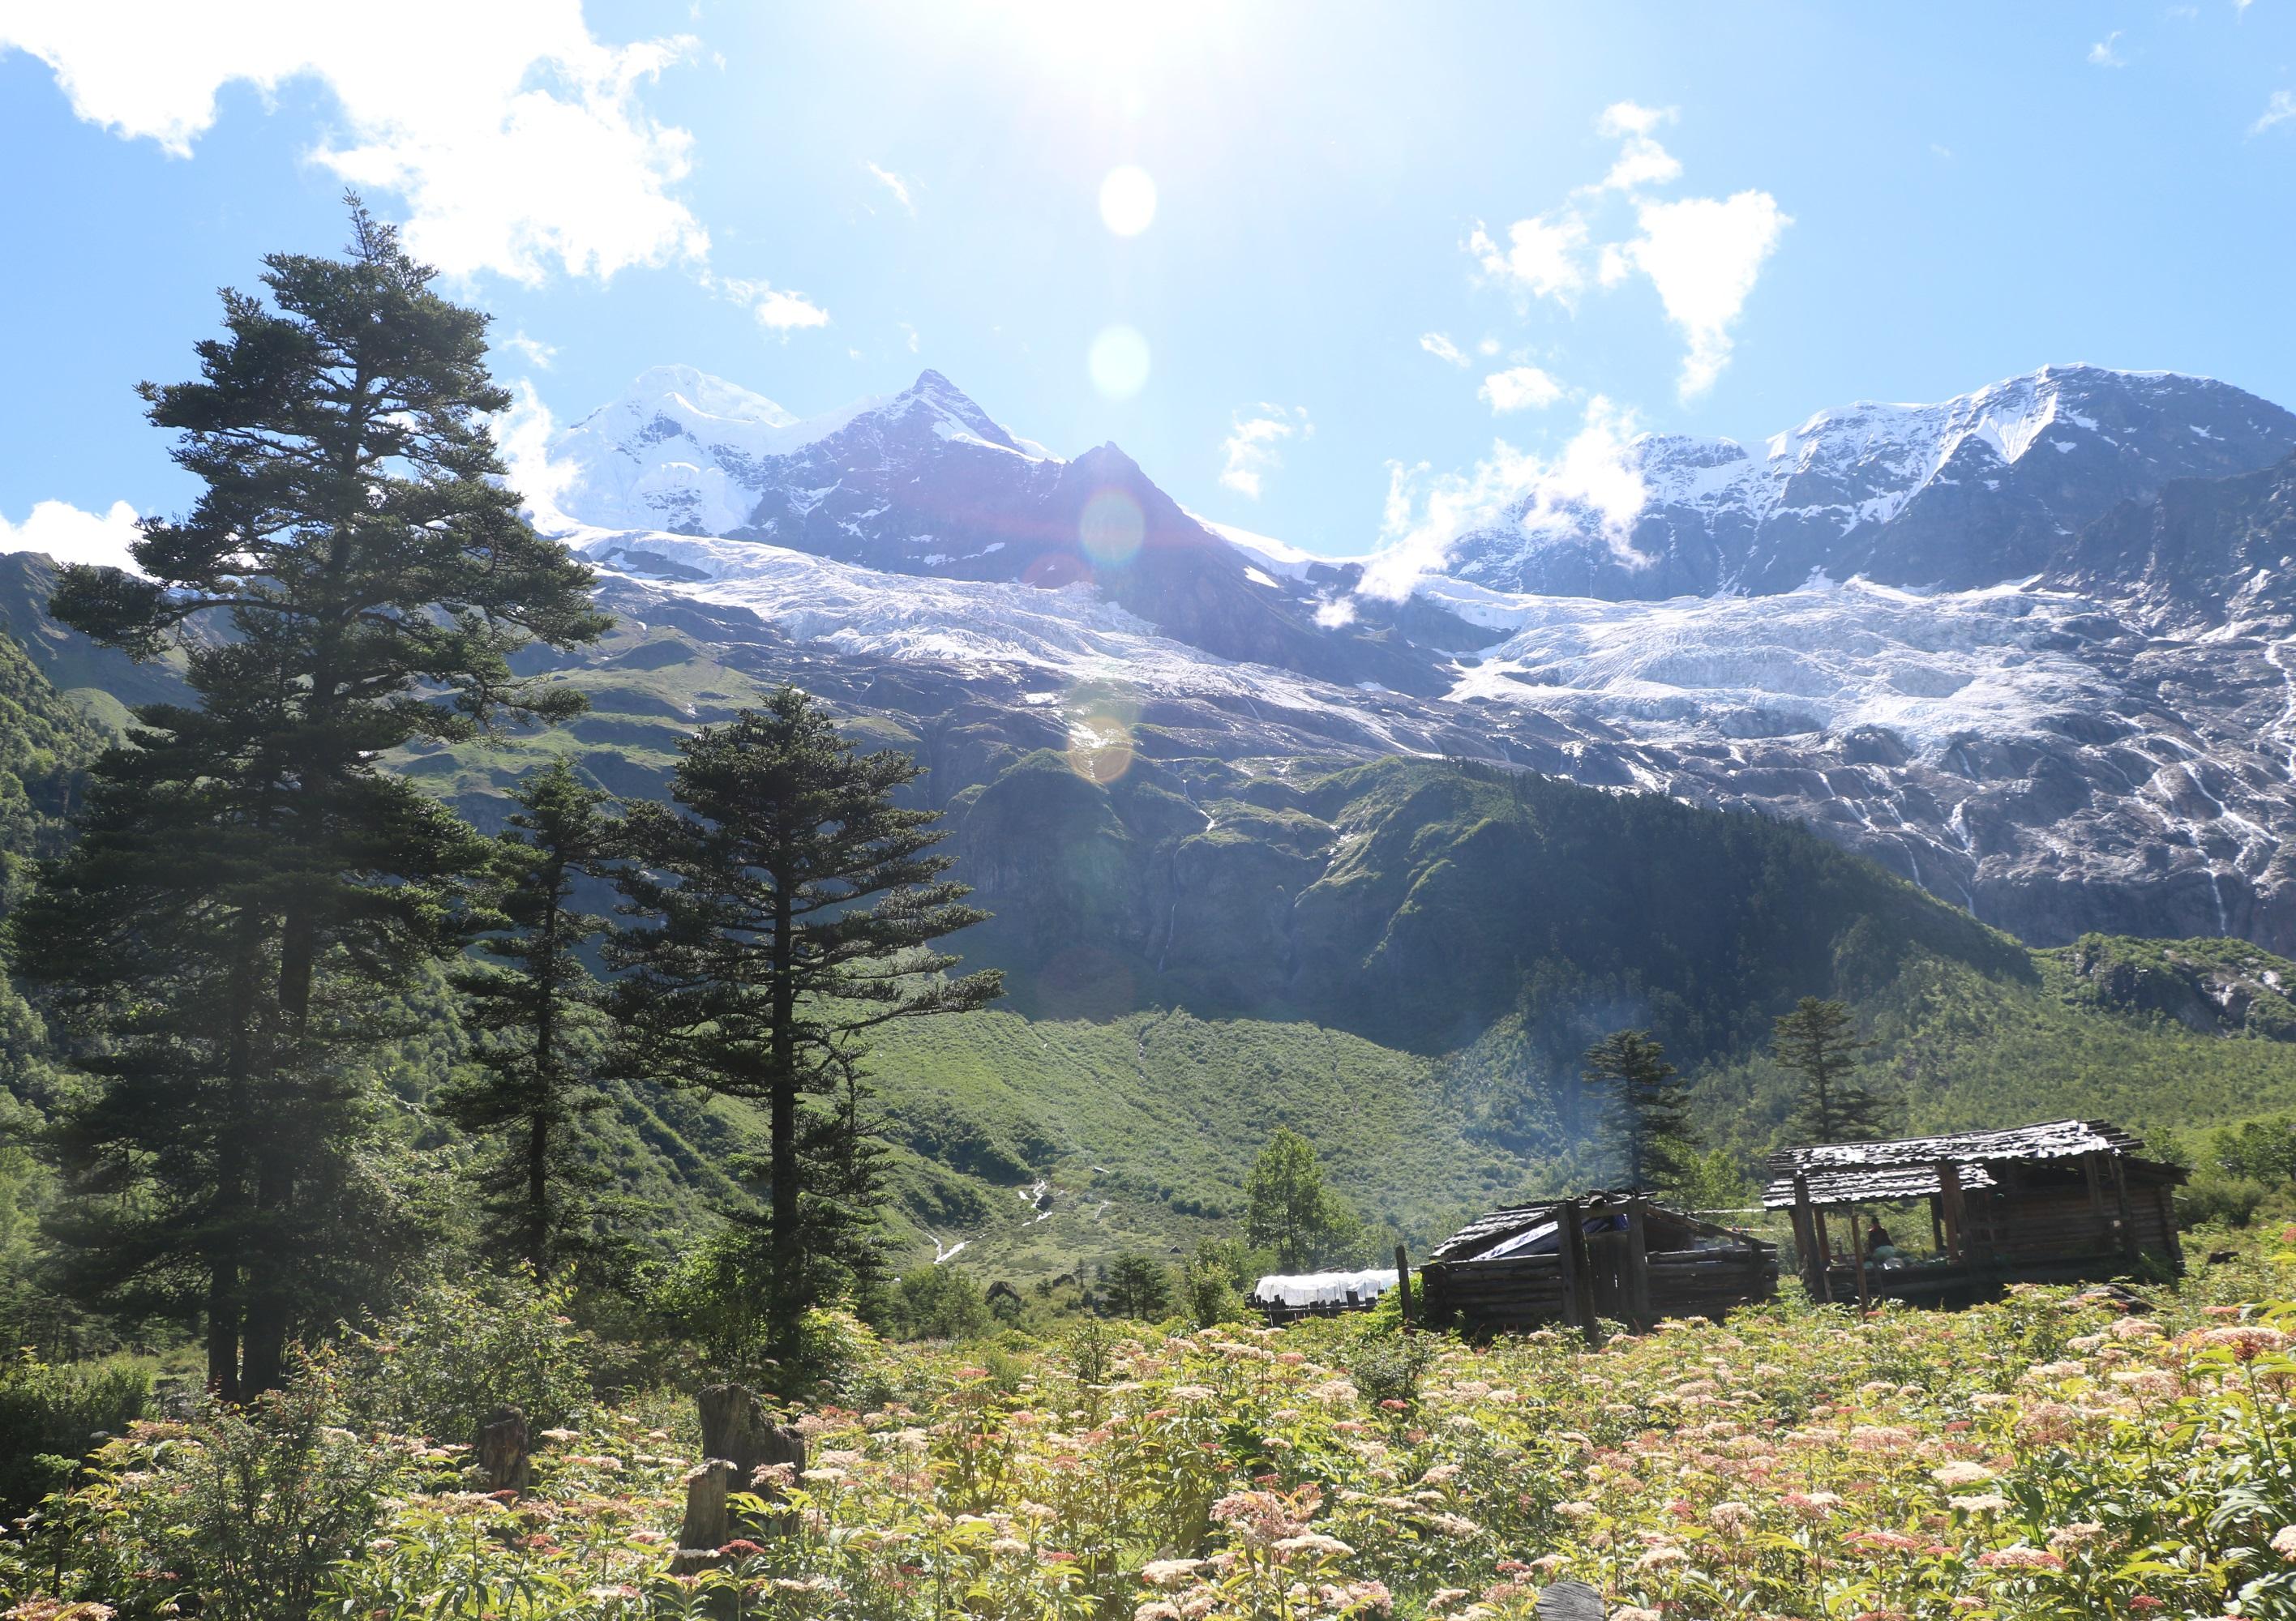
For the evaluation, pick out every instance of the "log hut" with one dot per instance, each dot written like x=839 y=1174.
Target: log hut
x=1575 y=1262
x=2062 y=1202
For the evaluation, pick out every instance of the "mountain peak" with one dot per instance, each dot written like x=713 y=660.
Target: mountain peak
x=701 y=394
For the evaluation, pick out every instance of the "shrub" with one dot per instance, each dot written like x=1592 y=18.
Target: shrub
x=50 y=1418
x=242 y=1511
x=940 y=1303
x=442 y=1366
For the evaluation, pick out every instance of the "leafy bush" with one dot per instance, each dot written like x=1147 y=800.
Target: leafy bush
x=441 y=1367
x=51 y=1417
x=940 y=1303
x=242 y=1511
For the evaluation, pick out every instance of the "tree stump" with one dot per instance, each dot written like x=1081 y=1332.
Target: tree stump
x=741 y=1449
x=503 y=1456
x=706 y=1529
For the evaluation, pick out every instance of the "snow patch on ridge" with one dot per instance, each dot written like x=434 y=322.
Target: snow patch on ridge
x=1828 y=659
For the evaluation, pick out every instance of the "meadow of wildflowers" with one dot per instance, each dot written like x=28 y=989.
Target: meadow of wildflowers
x=2053 y=1455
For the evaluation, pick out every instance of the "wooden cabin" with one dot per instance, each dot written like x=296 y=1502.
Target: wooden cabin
x=2062 y=1202
x=1606 y=1255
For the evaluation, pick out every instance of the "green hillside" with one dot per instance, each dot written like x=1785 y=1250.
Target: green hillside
x=1400 y=958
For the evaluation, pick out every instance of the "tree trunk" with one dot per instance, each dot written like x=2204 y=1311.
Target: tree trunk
x=787 y=1303
x=265 y=1364
x=223 y=1327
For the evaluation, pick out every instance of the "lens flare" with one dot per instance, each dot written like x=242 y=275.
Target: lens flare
x=1100 y=747
x=1119 y=363
x=1111 y=527
x=1128 y=201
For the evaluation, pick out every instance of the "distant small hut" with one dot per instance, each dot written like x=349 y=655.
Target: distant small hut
x=2062 y=1202
x=1288 y=1297
x=1607 y=1254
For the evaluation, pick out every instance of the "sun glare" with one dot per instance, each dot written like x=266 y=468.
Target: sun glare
x=1119 y=363
x=1128 y=201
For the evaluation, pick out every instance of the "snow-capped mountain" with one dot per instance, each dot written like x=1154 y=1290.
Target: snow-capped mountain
x=2026 y=646
x=1985 y=487
x=925 y=482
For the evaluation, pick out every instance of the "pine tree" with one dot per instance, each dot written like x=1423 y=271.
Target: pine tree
x=537 y=1011
x=375 y=573
x=1289 y=1209
x=1818 y=1042
x=1139 y=1287
x=794 y=907
x=1646 y=1113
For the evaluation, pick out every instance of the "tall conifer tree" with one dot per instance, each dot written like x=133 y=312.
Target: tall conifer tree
x=376 y=573
x=792 y=907
x=1647 y=1111
x=535 y=1009
x=1819 y=1042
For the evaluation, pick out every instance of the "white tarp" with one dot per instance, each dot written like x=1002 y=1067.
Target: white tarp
x=1322 y=1288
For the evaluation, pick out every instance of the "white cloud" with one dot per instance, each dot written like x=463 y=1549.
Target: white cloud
x=1442 y=346
x=894 y=184
x=2279 y=110
x=912 y=332
x=70 y=536
x=1704 y=254
x=1592 y=479
x=777 y=309
x=1542 y=256
x=1631 y=119
x=536 y=353
x=1255 y=446
x=517 y=140
x=1642 y=161
x=524 y=433
x=1518 y=388
x=1487 y=346
x=2102 y=54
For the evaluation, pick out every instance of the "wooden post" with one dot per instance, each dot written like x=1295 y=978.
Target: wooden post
x=1579 y=1272
x=2129 y=1242
x=1824 y=1253
x=1638 y=1294
x=1809 y=1237
x=1403 y=1284
x=1858 y=1258
x=1948 y=1174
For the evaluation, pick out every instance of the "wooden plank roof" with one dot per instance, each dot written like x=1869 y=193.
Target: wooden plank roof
x=1840 y=1173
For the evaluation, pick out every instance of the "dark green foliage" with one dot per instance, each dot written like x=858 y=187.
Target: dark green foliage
x=940 y=1303
x=1290 y=1210
x=793 y=911
x=537 y=1015
x=51 y=1418
x=1646 y=1113
x=1818 y=1042
x=46 y=747
x=1138 y=1286
x=247 y=877
x=272 y=1495
x=442 y=1364
x=1213 y=1281
x=2261 y=1151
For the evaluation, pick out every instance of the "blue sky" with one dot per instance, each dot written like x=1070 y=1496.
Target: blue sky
x=1383 y=238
